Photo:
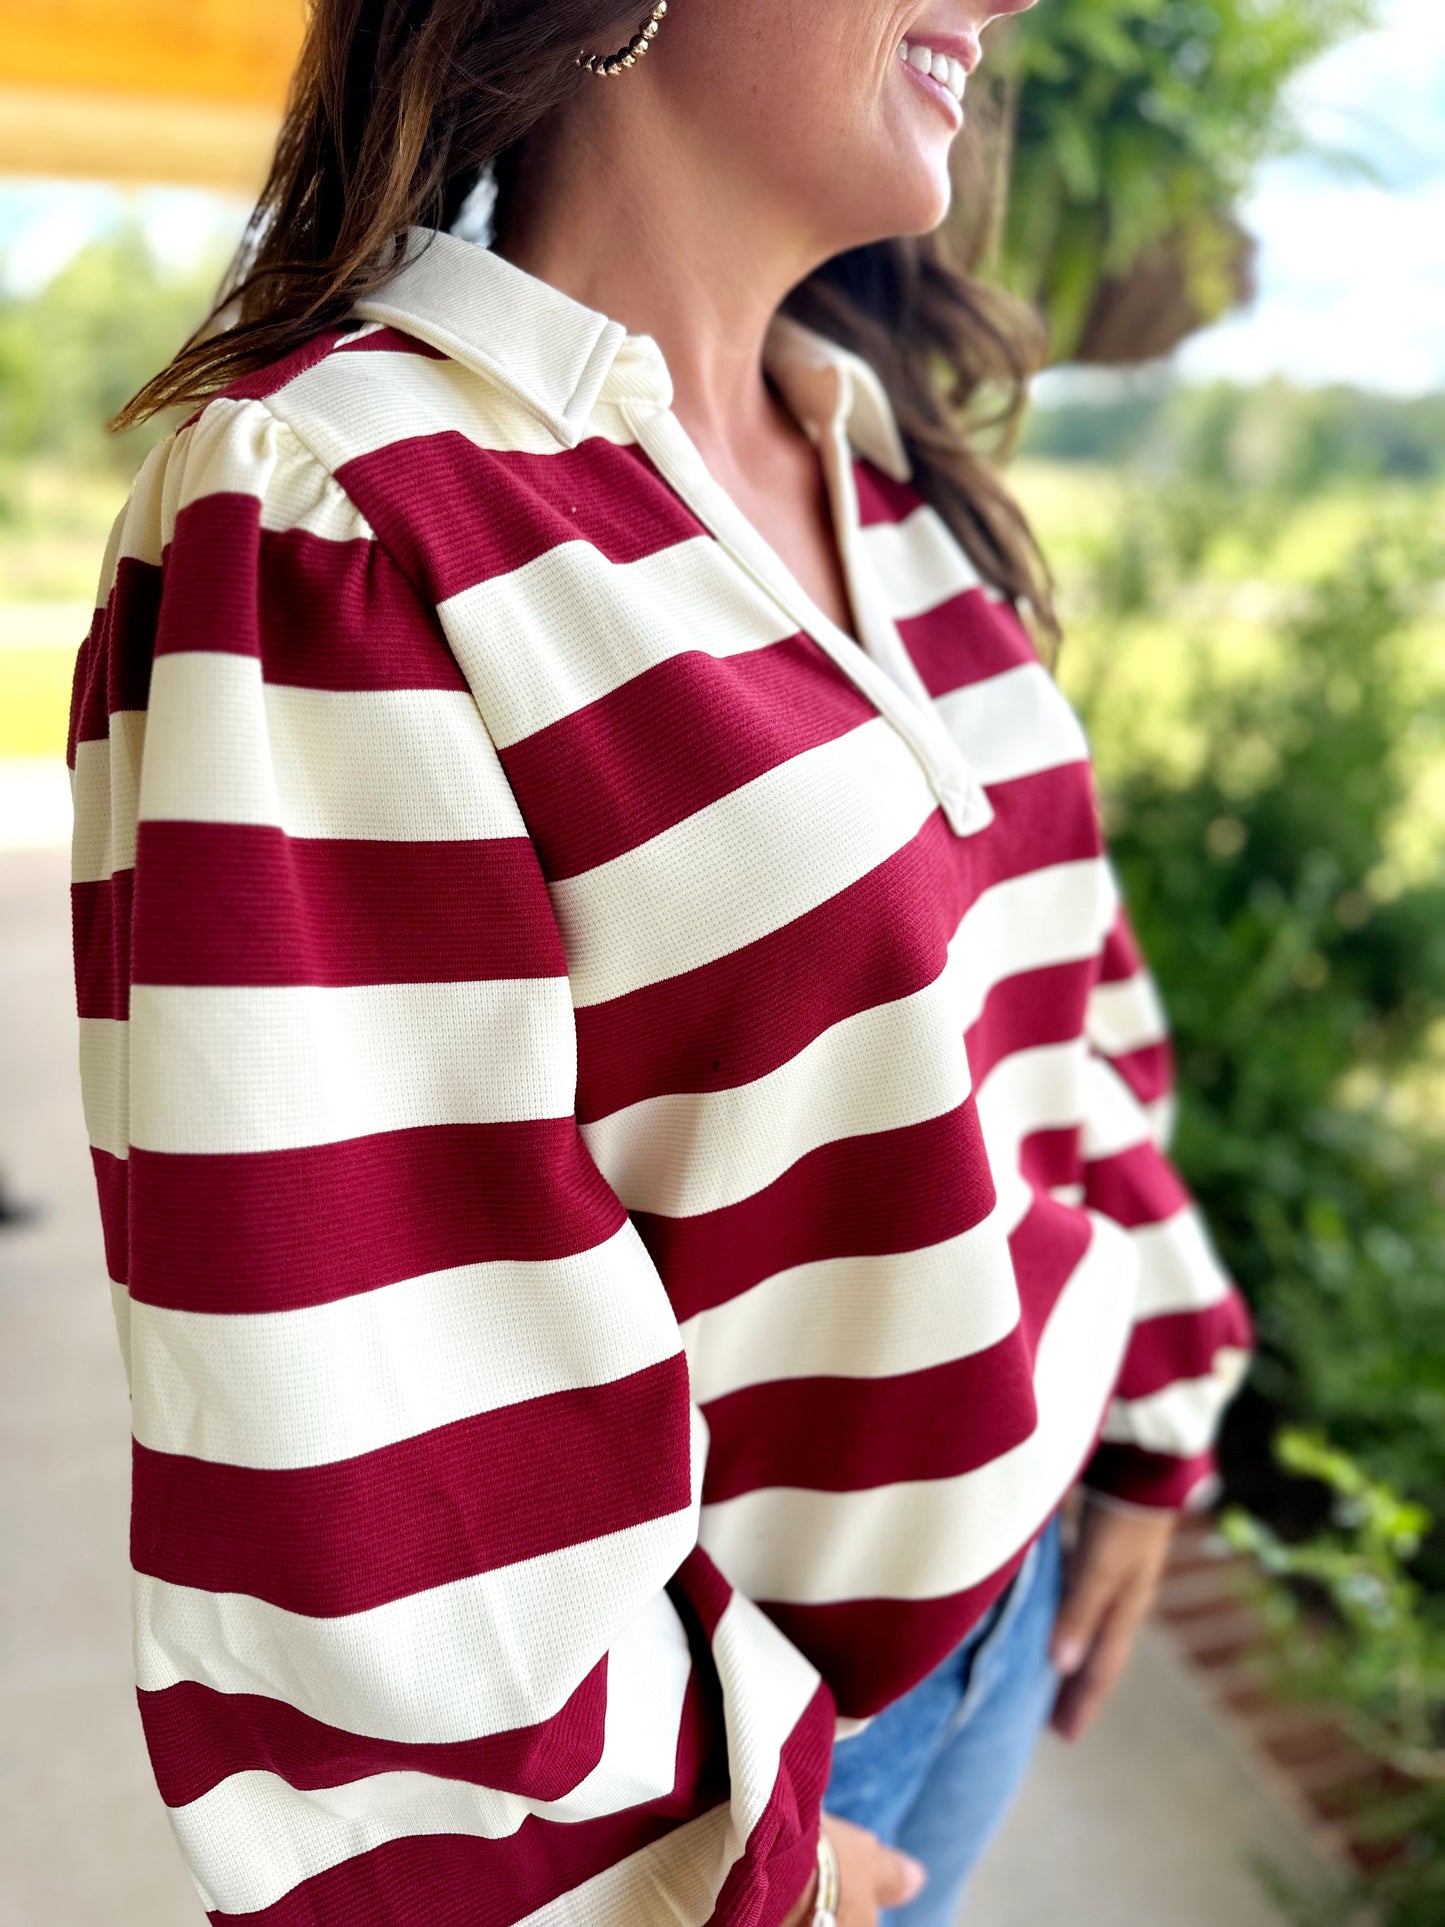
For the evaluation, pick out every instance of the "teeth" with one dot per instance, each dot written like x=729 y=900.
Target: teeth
x=942 y=67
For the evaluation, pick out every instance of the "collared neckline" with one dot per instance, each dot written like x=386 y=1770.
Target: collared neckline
x=561 y=357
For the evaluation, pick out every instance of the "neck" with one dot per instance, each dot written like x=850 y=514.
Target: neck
x=616 y=208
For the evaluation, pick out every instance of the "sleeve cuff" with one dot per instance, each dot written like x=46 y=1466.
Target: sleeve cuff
x=1132 y=1479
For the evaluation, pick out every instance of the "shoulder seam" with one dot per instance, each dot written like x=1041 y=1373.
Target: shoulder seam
x=285 y=421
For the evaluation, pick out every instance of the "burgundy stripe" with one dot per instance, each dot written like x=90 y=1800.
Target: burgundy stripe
x=276 y=1230
x=671 y=740
x=272 y=378
x=871 y=1651
x=1046 y=1246
x=340 y=615
x=320 y=614
x=1050 y=1157
x=236 y=903
x=849 y=1434
x=197 y=1737
x=455 y=1880
x=112 y=1184
x=391 y=341
x=768 y=1880
x=1181 y=1344
x=700 y=1588
x=100 y=926
x=1147 y=1478
x=82 y=683
x=883 y=1191
x=1148 y=1071
x=113 y=670
x=884 y=936
x=1120 y=956
x=1135 y=1187
x=455 y=514
x=466 y=1498
x=1027 y=1010
x=966 y=639
x=839 y=1434
x=880 y=497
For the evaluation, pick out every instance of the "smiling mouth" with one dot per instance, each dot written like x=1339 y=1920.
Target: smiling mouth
x=940 y=74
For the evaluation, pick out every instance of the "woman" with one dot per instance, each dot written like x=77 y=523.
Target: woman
x=627 y=1114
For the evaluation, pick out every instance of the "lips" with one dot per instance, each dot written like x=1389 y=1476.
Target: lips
x=937 y=74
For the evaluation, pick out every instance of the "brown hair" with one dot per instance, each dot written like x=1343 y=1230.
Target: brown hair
x=395 y=108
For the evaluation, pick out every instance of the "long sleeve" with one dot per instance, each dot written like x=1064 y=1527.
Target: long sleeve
x=422 y=1629
x=1192 y=1335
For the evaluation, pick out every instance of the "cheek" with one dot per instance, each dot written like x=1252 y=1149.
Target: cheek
x=806 y=65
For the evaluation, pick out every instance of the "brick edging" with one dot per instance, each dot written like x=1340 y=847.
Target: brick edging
x=1208 y=1606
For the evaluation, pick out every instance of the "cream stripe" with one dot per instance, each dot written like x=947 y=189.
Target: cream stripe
x=766 y=1685
x=104 y=789
x=120 y=1308
x=408 y=764
x=1014 y=724
x=446 y=1664
x=347 y=406
x=689 y=1152
x=866 y=1317
x=878 y=1070
x=1114 y=1119
x=672 y=1881
x=235 y=447
x=767 y=1688
x=1181 y=1419
x=927 y=1538
x=1037 y=1089
x=745 y=865
x=241 y=447
x=687 y=598
x=918 y=562
x=328 y=1382
x=1126 y=1015
x=104 y=1082
x=1179 y=1269
x=273 y=1068
x=255 y=1837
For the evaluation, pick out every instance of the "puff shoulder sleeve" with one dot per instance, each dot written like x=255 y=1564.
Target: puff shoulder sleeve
x=422 y=1629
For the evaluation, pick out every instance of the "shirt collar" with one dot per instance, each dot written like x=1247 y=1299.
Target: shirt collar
x=561 y=357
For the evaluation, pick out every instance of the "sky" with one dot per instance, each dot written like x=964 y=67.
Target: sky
x=1351 y=270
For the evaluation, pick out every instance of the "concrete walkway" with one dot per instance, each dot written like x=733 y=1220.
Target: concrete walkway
x=1148 y=1822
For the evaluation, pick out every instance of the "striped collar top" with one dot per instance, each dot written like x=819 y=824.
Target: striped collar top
x=630 y=1128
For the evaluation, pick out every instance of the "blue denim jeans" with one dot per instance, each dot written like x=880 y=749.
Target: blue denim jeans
x=935 y=1772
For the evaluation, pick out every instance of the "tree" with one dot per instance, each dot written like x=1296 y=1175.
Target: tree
x=1117 y=137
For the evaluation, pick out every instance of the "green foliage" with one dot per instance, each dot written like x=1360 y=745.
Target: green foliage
x=1271 y=433
x=1378 y=1655
x=71 y=354
x=1287 y=889
x=1137 y=120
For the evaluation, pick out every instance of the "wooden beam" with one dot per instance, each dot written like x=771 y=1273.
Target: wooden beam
x=112 y=137
x=237 y=51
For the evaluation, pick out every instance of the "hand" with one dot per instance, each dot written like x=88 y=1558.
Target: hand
x=1112 y=1572
x=870 y=1876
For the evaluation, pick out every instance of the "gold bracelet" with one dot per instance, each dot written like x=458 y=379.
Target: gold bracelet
x=825 y=1907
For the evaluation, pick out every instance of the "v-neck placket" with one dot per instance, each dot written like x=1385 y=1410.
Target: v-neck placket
x=560 y=358
x=881 y=667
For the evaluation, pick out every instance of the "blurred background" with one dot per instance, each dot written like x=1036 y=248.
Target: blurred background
x=1232 y=213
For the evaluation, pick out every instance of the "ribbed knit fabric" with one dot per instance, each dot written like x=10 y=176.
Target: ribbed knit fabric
x=630 y=1126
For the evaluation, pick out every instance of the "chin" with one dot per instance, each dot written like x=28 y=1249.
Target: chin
x=918 y=203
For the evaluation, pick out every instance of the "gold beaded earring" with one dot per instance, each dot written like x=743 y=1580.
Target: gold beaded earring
x=625 y=56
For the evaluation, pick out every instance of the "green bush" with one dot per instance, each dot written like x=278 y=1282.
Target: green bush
x=1285 y=880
